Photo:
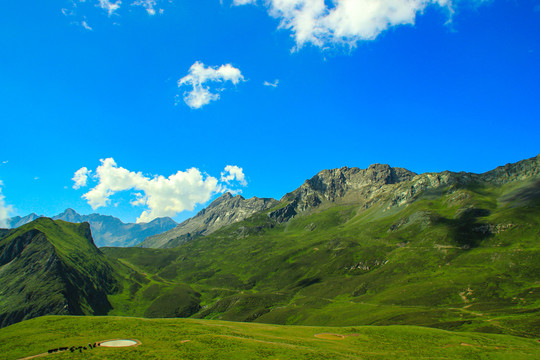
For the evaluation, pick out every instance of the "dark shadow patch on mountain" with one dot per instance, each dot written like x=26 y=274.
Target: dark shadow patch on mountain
x=467 y=230
x=523 y=196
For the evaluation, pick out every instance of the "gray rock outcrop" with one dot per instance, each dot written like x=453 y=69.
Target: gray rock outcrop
x=225 y=210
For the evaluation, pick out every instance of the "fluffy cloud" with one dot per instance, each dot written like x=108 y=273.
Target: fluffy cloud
x=162 y=196
x=110 y=7
x=5 y=210
x=199 y=75
x=321 y=22
x=81 y=177
x=233 y=172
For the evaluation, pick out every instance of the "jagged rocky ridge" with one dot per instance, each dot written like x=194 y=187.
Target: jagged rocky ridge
x=380 y=183
x=225 y=210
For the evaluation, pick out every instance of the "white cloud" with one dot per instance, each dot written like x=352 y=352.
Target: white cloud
x=163 y=196
x=81 y=177
x=233 y=172
x=5 y=162
x=199 y=96
x=147 y=4
x=67 y=12
x=321 y=22
x=5 y=210
x=272 y=84
x=244 y=2
x=109 y=6
x=80 y=9
x=36 y=177
x=199 y=75
x=85 y=25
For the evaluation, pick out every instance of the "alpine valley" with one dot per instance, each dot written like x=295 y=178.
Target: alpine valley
x=440 y=265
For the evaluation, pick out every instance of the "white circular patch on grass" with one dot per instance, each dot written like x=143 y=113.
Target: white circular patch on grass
x=119 y=343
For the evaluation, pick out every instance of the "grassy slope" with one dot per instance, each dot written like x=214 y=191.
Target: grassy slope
x=460 y=258
x=64 y=273
x=165 y=339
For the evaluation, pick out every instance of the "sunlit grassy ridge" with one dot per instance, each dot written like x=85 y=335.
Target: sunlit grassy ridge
x=53 y=267
x=463 y=257
x=203 y=339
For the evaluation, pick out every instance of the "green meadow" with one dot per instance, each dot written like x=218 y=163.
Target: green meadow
x=209 y=339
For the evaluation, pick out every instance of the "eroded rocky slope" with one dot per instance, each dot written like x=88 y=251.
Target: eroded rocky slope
x=225 y=210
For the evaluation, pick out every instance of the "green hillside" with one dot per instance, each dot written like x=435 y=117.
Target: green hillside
x=53 y=267
x=203 y=339
x=460 y=257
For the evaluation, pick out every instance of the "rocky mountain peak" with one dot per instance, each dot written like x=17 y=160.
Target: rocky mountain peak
x=336 y=184
x=69 y=215
x=225 y=210
x=226 y=198
x=17 y=221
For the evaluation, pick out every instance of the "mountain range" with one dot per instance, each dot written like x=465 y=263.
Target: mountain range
x=377 y=246
x=107 y=230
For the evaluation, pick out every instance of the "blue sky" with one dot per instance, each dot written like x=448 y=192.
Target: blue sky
x=81 y=82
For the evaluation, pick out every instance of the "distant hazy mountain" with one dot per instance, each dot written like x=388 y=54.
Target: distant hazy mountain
x=17 y=221
x=108 y=230
x=223 y=211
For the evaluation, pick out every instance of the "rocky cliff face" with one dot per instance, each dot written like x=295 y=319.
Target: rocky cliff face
x=225 y=210
x=342 y=184
x=382 y=184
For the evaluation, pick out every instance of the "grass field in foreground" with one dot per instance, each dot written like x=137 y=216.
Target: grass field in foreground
x=208 y=339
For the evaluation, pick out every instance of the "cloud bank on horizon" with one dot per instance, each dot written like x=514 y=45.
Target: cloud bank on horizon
x=199 y=75
x=5 y=210
x=321 y=23
x=163 y=196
